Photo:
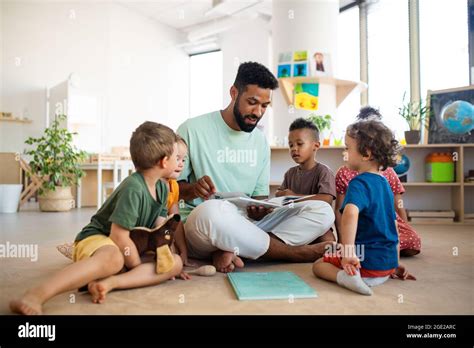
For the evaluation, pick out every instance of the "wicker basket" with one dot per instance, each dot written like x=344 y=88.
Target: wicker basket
x=59 y=200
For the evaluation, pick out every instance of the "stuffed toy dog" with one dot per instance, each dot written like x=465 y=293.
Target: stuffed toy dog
x=158 y=240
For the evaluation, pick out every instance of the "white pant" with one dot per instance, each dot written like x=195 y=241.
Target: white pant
x=220 y=225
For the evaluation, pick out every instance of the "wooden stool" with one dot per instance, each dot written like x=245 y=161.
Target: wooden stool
x=33 y=186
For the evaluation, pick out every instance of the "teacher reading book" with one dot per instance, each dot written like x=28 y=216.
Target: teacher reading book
x=227 y=153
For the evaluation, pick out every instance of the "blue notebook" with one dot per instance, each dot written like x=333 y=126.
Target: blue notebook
x=269 y=286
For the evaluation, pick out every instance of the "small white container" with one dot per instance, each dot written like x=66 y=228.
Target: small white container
x=10 y=198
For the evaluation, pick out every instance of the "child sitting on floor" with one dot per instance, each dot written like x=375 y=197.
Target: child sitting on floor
x=173 y=203
x=67 y=249
x=369 y=236
x=104 y=246
x=410 y=241
x=309 y=177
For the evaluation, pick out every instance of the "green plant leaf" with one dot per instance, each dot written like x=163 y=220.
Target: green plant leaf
x=55 y=156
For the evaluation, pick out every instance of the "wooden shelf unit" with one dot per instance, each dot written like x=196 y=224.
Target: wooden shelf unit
x=419 y=195
x=17 y=120
x=343 y=87
x=432 y=184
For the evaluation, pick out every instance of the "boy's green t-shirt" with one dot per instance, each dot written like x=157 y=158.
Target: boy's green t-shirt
x=236 y=161
x=129 y=206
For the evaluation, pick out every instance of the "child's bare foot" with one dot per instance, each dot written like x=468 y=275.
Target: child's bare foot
x=226 y=261
x=27 y=305
x=98 y=290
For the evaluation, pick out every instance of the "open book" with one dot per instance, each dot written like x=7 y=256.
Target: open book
x=242 y=201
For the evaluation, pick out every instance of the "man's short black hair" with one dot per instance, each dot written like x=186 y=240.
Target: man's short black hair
x=252 y=73
x=301 y=123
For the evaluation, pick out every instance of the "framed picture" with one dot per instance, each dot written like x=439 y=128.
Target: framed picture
x=299 y=56
x=451 y=119
x=300 y=69
x=321 y=64
x=306 y=96
x=284 y=57
x=284 y=70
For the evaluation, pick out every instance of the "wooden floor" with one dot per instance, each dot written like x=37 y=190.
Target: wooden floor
x=444 y=270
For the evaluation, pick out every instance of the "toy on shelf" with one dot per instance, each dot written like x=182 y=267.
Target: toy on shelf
x=470 y=176
x=402 y=168
x=439 y=167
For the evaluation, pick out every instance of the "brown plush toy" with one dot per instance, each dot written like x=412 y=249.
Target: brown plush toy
x=158 y=240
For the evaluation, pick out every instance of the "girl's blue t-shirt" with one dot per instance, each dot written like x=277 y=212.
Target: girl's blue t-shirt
x=377 y=237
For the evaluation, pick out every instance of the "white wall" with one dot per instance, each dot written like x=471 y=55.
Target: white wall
x=148 y=76
x=304 y=25
x=249 y=40
x=124 y=58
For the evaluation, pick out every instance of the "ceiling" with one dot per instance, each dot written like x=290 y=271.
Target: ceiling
x=186 y=15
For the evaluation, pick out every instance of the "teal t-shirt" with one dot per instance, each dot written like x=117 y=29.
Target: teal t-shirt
x=130 y=205
x=236 y=161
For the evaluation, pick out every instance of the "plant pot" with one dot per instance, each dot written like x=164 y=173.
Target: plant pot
x=59 y=200
x=412 y=137
x=10 y=198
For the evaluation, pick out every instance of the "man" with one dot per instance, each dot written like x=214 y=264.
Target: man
x=228 y=154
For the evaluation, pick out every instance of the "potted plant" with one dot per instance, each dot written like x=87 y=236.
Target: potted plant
x=57 y=162
x=414 y=113
x=324 y=125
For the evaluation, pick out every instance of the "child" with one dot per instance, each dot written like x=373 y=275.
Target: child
x=410 y=242
x=104 y=246
x=308 y=177
x=173 y=201
x=369 y=236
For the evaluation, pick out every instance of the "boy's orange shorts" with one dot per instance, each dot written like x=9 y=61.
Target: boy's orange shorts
x=364 y=273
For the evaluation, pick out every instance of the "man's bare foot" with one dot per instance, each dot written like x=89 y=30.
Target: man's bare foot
x=226 y=261
x=27 y=305
x=316 y=251
x=98 y=290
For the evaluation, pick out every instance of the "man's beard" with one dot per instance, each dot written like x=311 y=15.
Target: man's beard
x=239 y=118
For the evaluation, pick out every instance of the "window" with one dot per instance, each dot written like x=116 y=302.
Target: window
x=444 y=56
x=389 y=60
x=348 y=66
x=205 y=85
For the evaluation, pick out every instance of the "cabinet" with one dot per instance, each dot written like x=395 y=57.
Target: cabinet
x=419 y=194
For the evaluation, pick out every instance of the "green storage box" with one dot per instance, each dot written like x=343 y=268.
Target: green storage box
x=439 y=167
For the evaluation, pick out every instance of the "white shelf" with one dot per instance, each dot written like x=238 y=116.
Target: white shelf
x=343 y=87
x=331 y=147
x=430 y=146
x=439 y=223
x=16 y=120
x=431 y=184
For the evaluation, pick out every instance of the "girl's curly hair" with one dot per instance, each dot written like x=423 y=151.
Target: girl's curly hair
x=369 y=113
x=374 y=136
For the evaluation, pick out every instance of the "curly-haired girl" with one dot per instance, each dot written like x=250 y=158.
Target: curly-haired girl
x=368 y=253
x=410 y=241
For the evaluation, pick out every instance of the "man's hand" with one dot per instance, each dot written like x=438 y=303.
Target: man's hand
x=204 y=187
x=402 y=273
x=258 y=213
x=286 y=192
x=350 y=265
